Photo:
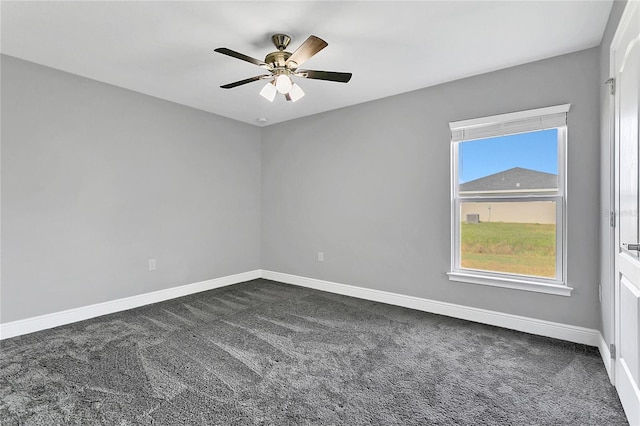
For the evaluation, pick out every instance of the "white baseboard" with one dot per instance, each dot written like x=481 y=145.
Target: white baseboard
x=43 y=322
x=555 y=330
x=603 y=347
x=514 y=322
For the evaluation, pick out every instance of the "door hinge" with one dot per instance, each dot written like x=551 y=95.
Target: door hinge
x=612 y=85
x=612 y=350
x=612 y=219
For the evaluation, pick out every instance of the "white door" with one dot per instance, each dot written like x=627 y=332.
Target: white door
x=625 y=51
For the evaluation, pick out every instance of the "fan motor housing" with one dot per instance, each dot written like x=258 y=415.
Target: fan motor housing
x=277 y=59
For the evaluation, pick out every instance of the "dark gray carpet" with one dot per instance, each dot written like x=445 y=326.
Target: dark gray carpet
x=264 y=353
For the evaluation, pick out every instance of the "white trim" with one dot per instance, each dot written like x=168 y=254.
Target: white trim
x=510 y=116
x=514 y=322
x=508 y=191
x=627 y=15
x=603 y=347
x=513 y=283
x=539 y=327
x=43 y=322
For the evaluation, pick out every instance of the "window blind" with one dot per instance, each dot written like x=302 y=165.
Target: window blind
x=506 y=124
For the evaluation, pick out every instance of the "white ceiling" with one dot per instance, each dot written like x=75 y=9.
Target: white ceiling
x=165 y=49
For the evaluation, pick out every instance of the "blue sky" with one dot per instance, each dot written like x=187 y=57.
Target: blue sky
x=484 y=157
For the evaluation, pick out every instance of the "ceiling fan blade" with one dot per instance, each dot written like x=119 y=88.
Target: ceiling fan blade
x=310 y=47
x=245 y=81
x=242 y=57
x=340 y=77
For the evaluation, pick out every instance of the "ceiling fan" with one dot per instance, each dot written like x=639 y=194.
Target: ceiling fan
x=282 y=65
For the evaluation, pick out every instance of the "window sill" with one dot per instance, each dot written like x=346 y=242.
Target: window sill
x=516 y=284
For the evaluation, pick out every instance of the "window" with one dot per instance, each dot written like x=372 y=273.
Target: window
x=508 y=200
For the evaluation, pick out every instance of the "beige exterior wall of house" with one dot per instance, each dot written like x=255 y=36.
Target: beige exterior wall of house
x=523 y=212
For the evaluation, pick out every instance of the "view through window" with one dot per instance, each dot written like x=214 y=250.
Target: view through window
x=508 y=210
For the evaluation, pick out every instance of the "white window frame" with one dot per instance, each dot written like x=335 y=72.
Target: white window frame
x=554 y=117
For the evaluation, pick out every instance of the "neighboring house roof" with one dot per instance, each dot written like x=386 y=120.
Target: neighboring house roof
x=513 y=180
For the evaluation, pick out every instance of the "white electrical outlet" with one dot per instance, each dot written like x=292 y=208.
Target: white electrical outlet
x=320 y=256
x=152 y=264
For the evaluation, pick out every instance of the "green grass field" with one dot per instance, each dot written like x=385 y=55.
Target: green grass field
x=520 y=248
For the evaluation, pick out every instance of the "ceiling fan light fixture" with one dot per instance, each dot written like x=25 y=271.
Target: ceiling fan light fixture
x=269 y=91
x=282 y=65
x=283 y=84
x=296 y=92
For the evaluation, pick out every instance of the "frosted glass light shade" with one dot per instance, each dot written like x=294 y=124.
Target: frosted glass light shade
x=269 y=92
x=283 y=84
x=296 y=92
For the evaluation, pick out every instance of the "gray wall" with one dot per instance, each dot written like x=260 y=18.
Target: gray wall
x=606 y=202
x=369 y=186
x=96 y=180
